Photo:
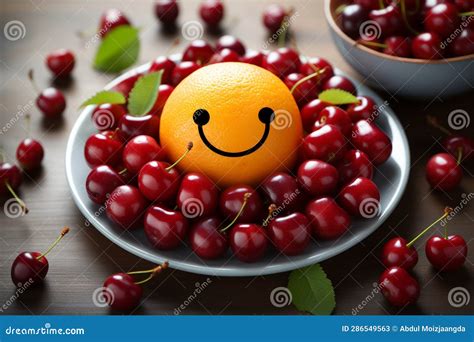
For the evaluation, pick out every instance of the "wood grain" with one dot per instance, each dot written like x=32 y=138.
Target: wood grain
x=82 y=261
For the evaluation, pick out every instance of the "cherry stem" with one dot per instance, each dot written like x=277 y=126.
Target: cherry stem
x=284 y=30
x=374 y=44
x=405 y=18
x=447 y=211
x=271 y=210
x=304 y=79
x=28 y=124
x=188 y=148
x=381 y=4
x=121 y=172
x=17 y=198
x=32 y=80
x=244 y=204
x=459 y=150
x=59 y=238
x=153 y=272
x=466 y=14
x=433 y=121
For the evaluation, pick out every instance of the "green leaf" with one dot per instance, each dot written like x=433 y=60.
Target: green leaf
x=337 y=97
x=312 y=291
x=105 y=96
x=144 y=93
x=119 y=49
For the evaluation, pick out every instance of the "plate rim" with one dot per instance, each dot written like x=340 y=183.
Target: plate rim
x=242 y=271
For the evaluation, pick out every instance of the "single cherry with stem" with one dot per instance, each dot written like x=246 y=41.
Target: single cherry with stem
x=283 y=190
x=446 y=253
x=273 y=17
x=139 y=151
x=60 y=62
x=443 y=171
x=399 y=287
x=51 y=101
x=159 y=181
x=104 y=148
x=29 y=152
x=32 y=267
x=122 y=292
x=332 y=115
x=231 y=201
x=10 y=180
x=310 y=113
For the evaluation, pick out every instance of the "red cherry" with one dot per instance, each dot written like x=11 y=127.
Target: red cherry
x=290 y=234
x=198 y=51
x=462 y=44
x=336 y=116
x=427 y=46
x=165 y=229
x=60 y=62
x=310 y=112
x=131 y=126
x=303 y=91
x=398 y=46
x=29 y=154
x=317 y=64
x=126 y=85
x=446 y=254
x=396 y=253
x=282 y=62
x=211 y=12
x=165 y=64
x=340 y=82
x=361 y=197
x=283 y=190
x=464 y=5
x=164 y=92
x=100 y=183
x=125 y=206
x=354 y=164
x=51 y=102
x=253 y=57
x=460 y=147
x=248 y=242
x=368 y=4
x=159 y=181
x=182 y=70
x=225 y=55
x=232 y=43
x=317 y=177
x=103 y=148
x=352 y=17
x=167 y=11
x=442 y=19
x=232 y=199
x=273 y=17
x=328 y=220
x=11 y=175
x=399 y=287
x=139 y=151
x=443 y=172
x=206 y=239
x=31 y=267
x=389 y=20
x=107 y=116
x=365 y=109
x=326 y=144
x=368 y=138
x=197 y=195
x=111 y=19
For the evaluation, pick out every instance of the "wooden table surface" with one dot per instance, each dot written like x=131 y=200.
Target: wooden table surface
x=82 y=261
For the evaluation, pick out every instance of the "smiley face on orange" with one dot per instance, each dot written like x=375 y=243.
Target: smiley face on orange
x=242 y=120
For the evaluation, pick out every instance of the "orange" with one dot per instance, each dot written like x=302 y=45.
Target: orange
x=249 y=121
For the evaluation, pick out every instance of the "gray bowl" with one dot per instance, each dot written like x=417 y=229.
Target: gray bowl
x=391 y=179
x=407 y=77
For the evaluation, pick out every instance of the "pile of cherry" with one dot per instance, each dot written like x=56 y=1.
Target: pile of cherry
x=425 y=29
x=332 y=182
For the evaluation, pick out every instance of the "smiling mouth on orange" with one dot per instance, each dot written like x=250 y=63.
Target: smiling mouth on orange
x=201 y=117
